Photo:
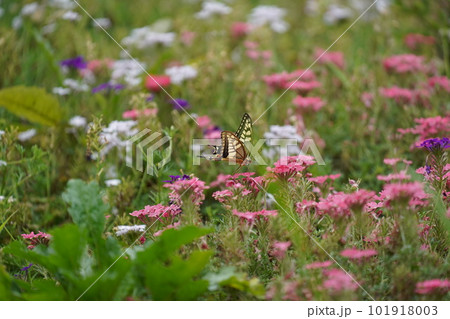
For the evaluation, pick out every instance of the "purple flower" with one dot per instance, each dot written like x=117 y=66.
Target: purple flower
x=179 y=104
x=108 y=87
x=26 y=268
x=437 y=143
x=75 y=63
x=150 y=98
x=174 y=178
x=428 y=169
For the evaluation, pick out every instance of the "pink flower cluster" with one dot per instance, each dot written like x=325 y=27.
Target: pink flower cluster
x=405 y=63
x=337 y=281
x=353 y=253
x=257 y=55
x=413 y=40
x=36 y=239
x=289 y=166
x=308 y=104
x=150 y=214
x=322 y=179
x=306 y=81
x=319 y=264
x=174 y=225
x=325 y=57
x=433 y=286
x=337 y=205
x=412 y=193
x=134 y=114
x=442 y=82
x=280 y=248
x=193 y=189
x=394 y=177
x=250 y=217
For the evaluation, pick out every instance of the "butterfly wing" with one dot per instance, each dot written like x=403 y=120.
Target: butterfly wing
x=244 y=132
x=233 y=149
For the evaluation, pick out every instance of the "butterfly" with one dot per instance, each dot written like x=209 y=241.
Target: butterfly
x=232 y=148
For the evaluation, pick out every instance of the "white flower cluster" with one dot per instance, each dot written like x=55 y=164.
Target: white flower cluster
x=116 y=135
x=10 y=199
x=128 y=70
x=78 y=121
x=62 y=4
x=145 y=37
x=75 y=85
x=282 y=141
x=123 y=229
x=26 y=135
x=71 y=16
x=337 y=13
x=271 y=15
x=178 y=74
x=104 y=23
x=211 y=8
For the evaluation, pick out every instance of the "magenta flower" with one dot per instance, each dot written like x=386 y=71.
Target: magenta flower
x=405 y=63
x=353 y=253
x=336 y=58
x=191 y=190
x=442 y=82
x=413 y=40
x=318 y=264
x=134 y=114
x=250 y=217
x=280 y=248
x=397 y=192
x=400 y=95
x=428 y=128
x=37 y=239
x=290 y=166
x=338 y=281
x=308 y=104
x=433 y=286
x=150 y=214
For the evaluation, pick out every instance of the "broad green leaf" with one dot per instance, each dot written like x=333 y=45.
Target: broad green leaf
x=87 y=208
x=32 y=103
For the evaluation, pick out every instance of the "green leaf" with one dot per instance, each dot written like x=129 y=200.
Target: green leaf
x=32 y=103
x=166 y=274
x=87 y=208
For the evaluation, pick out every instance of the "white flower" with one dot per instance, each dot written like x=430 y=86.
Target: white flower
x=3 y=163
x=26 y=135
x=17 y=22
x=2 y=132
x=282 y=141
x=1 y=12
x=112 y=182
x=271 y=15
x=71 y=16
x=62 y=4
x=61 y=91
x=210 y=8
x=105 y=23
x=78 y=121
x=145 y=37
x=178 y=74
x=116 y=135
x=49 y=28
x=128 y=70
x=382 y=6
x=123 y=229
x=10 y=199
x=29 y=9
x=76 y=85
x=336 y=13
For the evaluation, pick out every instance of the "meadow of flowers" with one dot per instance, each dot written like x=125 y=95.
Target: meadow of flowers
x=364 y=217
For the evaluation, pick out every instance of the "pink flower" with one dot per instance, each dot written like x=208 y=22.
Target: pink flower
x=302 y=86
x=394 y=177
x=174 y=225
x=440 y=81
x=204 y=121
x=154 y=83
x=280 y=248
x=354 y=253
x=187 y=37
x=284 y=79
x=336 y=58
x=98 y=65
x=308 y=103
x=150 y=214
x=191 y=189
x=220 y=180
x=221 y=196
x=318 y=264
x=405 y=63
x=391 y=161
x=411 y=192
x=338 y=280
x=290 y=166
x=250 y=217
x=400 y=95
x=432 y=286
x=36 y=239
x=134 y=114
x=367 y=99
x=239 y=29
x=412 y=40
